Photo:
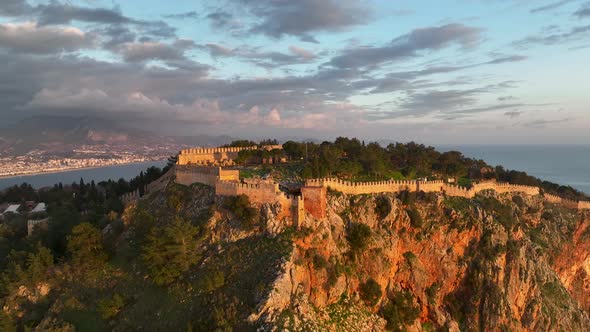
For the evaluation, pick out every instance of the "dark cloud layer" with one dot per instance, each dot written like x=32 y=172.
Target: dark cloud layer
x=150 y=77
x=584 y=11
x=551 y=6
x=300 y=18
x=573 y=34
x=56 y=13
x=31 y=38
x=424 y=39
x=182 y=16
x=14 y=7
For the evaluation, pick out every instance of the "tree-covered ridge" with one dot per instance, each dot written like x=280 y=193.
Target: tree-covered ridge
x=192 y=261
x=354 y=160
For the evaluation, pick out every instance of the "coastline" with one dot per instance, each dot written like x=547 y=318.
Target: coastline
x=65 y=170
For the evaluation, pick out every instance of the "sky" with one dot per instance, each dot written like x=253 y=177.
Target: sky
x=437 y=72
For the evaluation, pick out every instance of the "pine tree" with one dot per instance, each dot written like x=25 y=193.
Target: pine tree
x=6 y=323
x=171 y=250
x=85 y=246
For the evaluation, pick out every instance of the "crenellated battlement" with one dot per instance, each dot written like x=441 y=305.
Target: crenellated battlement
x=392 y=186
x=223 y=155
x=216 y=150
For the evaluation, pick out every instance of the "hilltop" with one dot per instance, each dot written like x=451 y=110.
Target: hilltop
x=262 y=245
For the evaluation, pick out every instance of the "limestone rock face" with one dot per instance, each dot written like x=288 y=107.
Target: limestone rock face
x=495 y=262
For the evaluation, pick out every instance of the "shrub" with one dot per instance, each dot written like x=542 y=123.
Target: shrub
x=370 y=292
x=400 y=311
x=171 y=250
x=241 y=208
x=432 y=292
x=319 y=262
x=382 y=206
x=502 y=213
x=519 y=201
x=407 y=197
x=358 y=236
x=415 y=217
x=85 y=246
x=109 y=308
x=334 y=272
x=212 y=281
x=410 y=257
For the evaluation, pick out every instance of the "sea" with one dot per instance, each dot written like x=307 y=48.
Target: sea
x=562 y=164
x=98 y=174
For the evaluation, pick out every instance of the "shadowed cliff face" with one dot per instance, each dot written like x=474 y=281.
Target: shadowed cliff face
x=491 y=263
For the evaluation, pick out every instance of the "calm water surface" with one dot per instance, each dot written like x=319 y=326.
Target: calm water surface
x=563 y=164
x=97 y=174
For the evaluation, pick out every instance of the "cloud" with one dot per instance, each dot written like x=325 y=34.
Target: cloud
x=551 y=6
x=506 y=98
x=301 y=52
x=409 y=45
x=182 y=16
x=57 y=13
x=513 y=114
x=30 y=38
x=505 y=59
x=224 y=21
x=260 y=58
x=133 y=104
x=572 y=35
x=219 y=50
x=14 y=7
x=544 y=123
x=584 y=11
x=136 y=52
x=276 y=18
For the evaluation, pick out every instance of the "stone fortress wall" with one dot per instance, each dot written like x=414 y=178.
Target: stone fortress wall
x=358 y=188
x=194 y=166
x=227 y=183
x=188 y=175
x=216 y=155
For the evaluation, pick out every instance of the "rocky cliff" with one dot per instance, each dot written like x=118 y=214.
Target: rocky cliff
x=424 y=262
x=400 y=262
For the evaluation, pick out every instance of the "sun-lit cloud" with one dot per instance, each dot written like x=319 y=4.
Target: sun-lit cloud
x=310 y=67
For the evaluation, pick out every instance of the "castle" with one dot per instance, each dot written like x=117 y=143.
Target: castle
x=217 y=156
x=195 y=166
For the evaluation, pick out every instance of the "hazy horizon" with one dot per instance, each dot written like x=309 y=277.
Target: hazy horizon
x=496 y=72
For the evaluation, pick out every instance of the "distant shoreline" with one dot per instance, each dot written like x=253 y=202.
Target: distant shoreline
x=2 y=177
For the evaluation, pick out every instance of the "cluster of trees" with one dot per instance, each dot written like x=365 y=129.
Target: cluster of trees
x=353 y=159
x=243 y=143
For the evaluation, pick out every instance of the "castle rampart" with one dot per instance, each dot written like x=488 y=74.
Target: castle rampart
x=313 y=199
x=216 y=155
x=207 y=175
x=358 y=188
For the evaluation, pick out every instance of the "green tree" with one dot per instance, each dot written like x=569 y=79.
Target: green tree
x=240 y=206
x=400 y=311
x=85 y=246
x=171 y=250
x=358 y=236
x=370 y=292
x=110 y=307
x=6 y=323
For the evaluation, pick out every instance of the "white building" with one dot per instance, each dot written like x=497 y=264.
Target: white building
x=12 y=209
x=41 y=207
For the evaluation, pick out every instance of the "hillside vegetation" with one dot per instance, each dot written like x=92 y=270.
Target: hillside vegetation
x=182 y=259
